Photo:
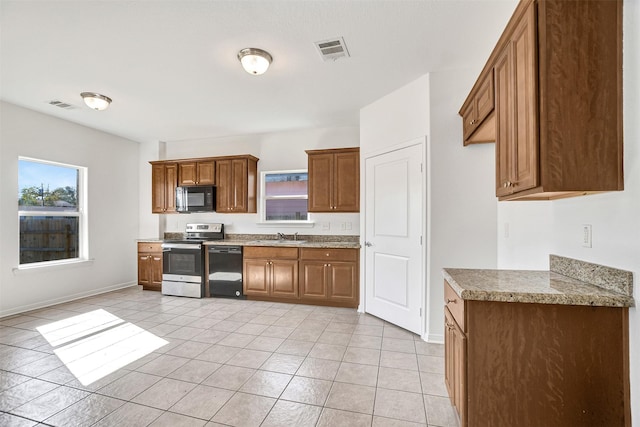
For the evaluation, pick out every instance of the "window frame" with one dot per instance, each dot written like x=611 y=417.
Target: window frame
x=81 y=214
x=264 y=198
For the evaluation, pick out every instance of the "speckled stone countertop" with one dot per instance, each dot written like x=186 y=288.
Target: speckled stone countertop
x=542 y=287
x=304 y=241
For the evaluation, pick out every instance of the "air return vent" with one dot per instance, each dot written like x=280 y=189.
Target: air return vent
x=60 y=104
x=332 y=49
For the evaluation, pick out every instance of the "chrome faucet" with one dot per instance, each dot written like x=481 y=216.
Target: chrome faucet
x=281 y=236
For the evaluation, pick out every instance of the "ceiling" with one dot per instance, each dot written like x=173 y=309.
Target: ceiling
x=170 y=66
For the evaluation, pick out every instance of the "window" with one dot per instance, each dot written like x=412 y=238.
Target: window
x=284 y=196
x=51 y=210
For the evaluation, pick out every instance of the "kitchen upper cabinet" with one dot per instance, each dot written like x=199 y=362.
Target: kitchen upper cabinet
x=517 y=137
x=270 y=272
x=478 y=124
x=329 y=276
x=236 y=180
x=334 y=180
x=557 y=120
x=150 y=266
x=197 y=172
x=164 y=178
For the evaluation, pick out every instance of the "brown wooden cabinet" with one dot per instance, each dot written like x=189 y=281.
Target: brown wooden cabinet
x=478 y=124
x=150 y=266
x=236 y=180
x=558 y=100
x=517 y=364
x=334 y=180
x=270 y=272
x=196 y=172
x=164 y=178
x=329 y=275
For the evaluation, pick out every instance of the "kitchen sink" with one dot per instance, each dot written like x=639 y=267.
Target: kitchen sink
x=276 y=242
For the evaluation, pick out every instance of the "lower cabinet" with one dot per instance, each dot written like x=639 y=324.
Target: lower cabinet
x=329 y=275
x=528 y=364
x=150 y=266
x=312 y=276
x=270 y=272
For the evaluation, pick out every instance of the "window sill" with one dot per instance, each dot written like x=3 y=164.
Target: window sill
x=299 y=224
x=44 y=267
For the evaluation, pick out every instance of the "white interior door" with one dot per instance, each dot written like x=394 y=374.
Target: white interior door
x=393 y=234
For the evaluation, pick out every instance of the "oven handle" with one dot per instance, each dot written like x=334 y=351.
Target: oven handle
x=181 y=246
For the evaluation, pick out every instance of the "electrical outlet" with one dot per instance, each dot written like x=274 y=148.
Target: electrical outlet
x=586 y=235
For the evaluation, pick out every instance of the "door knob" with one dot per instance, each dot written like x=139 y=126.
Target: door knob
x=368 y=244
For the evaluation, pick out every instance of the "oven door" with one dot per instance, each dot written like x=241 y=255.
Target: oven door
x=182 y=269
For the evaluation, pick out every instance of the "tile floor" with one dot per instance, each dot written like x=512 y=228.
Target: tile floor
x=228 y=362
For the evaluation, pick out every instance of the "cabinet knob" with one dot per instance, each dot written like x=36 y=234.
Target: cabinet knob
x=508 y=184
x=451 y=301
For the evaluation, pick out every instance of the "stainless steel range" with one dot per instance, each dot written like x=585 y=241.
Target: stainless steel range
x=183 y=264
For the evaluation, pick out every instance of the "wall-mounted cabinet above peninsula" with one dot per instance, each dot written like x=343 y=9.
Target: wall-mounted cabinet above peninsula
x=235 y=178
x=550 y=96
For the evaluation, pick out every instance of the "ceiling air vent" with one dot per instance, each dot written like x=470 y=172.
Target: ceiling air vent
x=332 y=49
x=61 y=104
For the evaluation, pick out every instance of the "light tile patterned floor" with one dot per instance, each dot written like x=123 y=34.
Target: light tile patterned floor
x=228 y=362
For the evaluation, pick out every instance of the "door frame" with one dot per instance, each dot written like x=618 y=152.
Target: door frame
x=423 y=141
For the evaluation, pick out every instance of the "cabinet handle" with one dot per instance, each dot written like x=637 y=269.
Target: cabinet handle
x=451 y=301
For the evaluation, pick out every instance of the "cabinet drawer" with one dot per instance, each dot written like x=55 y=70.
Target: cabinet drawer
x=270 y=252
x=456 y=306
x=149 y=246
x=329 y=254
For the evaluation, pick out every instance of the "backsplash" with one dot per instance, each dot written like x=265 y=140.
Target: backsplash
x=602 y=276
x=245 y=237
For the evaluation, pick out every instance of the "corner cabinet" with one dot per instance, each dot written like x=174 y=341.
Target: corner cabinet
x=557 y=118
x=236 y=180
x=334 y=180
x=164 y=178
x=528 y=364
x=150 y=266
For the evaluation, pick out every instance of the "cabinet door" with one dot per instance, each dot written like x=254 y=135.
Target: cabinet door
x=460 y=372
x=313 y=280
x=158 y=188
x=343 y=278
x=346 y=196
x=224 y=187
x=320 y=182
x=516 y=108
x=206 y=173
x=449 y=354
x=256 y=276
x=155 y=266
x=188 y=173
x=171 y=181
x=284 y=278
x=239 y=185
x=144 y=272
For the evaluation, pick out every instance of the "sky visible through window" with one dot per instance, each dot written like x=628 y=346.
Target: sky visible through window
x=35 y=174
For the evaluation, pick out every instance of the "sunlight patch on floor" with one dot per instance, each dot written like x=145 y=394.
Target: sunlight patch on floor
x=93 y=345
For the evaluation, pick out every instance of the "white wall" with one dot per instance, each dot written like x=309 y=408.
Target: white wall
x=276 y=151
x=613 y=216
x=463 y=203
x=461 y=212
x=112 y=164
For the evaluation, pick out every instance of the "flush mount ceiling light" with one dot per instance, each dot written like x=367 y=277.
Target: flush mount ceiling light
x=95 y=100
x=254 y=61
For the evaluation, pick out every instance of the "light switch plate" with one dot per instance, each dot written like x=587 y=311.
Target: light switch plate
x=586 y=235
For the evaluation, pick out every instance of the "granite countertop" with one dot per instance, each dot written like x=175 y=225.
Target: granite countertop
x=286 y=244
x=545 y=287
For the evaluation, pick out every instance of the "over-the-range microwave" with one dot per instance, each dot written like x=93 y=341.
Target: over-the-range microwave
x=201 y=198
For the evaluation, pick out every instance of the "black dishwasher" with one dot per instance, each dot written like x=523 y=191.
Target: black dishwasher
x=225 y=271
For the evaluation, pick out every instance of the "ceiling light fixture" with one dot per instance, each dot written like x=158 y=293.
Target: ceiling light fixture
x=95 y=100
x=254 y=61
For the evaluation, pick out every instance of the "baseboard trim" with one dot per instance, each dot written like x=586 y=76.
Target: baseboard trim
x=434 y=338
x=64 y=299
